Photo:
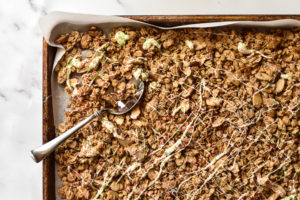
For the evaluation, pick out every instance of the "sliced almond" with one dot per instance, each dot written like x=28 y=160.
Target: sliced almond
x=218 y=122
x=213 y=101
x=263 y=76
x=279 y=86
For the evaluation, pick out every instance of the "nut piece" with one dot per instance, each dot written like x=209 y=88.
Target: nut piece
x=116 y=186
x=213 y=101
x=279 y=86
x=199 y=45
x=185 y=105
x=189 y=44
x=235 y=168
x=169 y=42
x=187 y=71
x=119 y=120
x=263 y=77
x=111 y=195
x=152 y=174
x=151 y=105
x=257 y=100
x=135 y=112
x=61 y=39
x=85 y=40
x=179 y=161
x=218 y=122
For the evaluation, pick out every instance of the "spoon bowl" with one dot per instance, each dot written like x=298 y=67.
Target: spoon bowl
x=43 y=151
x=130 y=103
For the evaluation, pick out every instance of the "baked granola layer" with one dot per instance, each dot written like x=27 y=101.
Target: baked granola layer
x=219 y=118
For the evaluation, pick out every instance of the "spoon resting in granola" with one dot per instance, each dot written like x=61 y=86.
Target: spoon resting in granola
x=43 y=151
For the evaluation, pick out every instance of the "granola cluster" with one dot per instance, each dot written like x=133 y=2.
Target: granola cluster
x=219 y=118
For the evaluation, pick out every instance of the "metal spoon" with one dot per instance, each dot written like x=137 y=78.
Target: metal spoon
x=43 y=151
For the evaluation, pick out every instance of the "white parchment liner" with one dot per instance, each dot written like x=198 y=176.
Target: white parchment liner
x=57 y=23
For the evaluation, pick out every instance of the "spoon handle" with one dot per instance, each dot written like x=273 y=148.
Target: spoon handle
x=43 y=151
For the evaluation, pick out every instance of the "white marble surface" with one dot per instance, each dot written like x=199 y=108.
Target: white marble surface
x=21 y=71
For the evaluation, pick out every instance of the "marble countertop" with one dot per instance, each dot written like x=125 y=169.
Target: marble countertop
x=21 y=71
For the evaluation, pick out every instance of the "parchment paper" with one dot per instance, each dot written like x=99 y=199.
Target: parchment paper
x=57 y=23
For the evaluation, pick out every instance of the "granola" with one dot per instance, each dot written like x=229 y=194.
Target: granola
x=219 y=119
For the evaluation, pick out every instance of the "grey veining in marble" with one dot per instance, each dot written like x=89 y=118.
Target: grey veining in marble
x=21 y=71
